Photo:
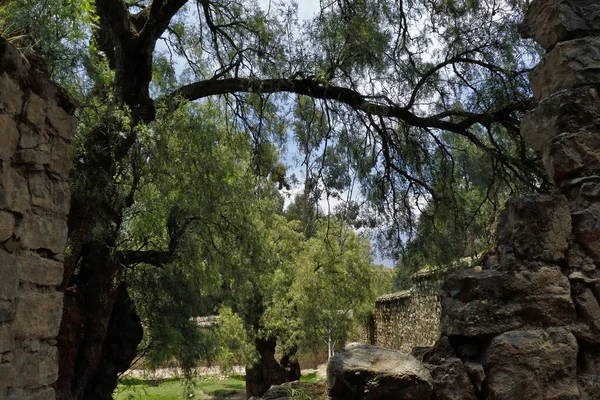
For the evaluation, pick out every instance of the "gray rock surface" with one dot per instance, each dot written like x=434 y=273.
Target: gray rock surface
x=367 y=372
x=537 y=364
x=552 y=21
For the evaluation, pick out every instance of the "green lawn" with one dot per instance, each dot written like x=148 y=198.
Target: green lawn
x=171 y=389
x=208 y=387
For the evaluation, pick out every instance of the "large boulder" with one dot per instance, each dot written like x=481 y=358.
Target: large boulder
x=365 y=372
x=536 y=364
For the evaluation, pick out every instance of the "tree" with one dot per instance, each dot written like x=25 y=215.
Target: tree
x=389 y=77
x=333 y=283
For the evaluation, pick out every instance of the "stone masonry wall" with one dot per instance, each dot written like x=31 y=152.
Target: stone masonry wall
x=410 y=318
x=36 y=126
x=527 y=326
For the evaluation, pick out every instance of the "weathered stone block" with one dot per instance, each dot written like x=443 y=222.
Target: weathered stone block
x=44 y=394
x=9 y=137
x=571 y=154
x=586 y=226
x=567 y=111
x=578 y=260
x=15 y=191
x=537 y=227
x=40 y=271
x=38 y=315
x=7 y=375
x=63 y=123
x=8 y=310
x=60 y=160
x=49 y=193
x=450 y=381
x=491 y=302
x=7 y=339
x=37 y=369
x=7 y=225
x=9 y=282
x=43 y=232
x=36 y=110
x=15 y=394
x=33 y=157
x=588 y=308
x=11 y=100
x=551 y=21
x=569 y=64
x=371 y=373
x=536 y=364
x=31 y=137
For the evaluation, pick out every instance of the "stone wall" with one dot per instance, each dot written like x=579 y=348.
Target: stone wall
x=36 y=126
x=410 y=318
x=527 y=326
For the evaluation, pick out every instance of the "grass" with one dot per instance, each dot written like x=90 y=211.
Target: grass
x=170 y=389
x=174 y=388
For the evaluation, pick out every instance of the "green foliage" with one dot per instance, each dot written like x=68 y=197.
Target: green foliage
x=235 y=347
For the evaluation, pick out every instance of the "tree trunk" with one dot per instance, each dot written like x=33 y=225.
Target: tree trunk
x=291 y=366
x=267 y=372
x=120 y=348
x=99 y=332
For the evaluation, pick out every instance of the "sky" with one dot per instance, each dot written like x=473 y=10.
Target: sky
x=306 y=8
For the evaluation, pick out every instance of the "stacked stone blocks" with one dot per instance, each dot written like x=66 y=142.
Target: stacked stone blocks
x=36 y=126
x=528 y=325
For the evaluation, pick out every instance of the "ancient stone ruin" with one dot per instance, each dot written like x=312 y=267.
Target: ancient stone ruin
x=36 y=126
x=527 y=326
x=410 y=318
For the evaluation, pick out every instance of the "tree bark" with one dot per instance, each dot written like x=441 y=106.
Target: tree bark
x=266 y=372
x=291 y=366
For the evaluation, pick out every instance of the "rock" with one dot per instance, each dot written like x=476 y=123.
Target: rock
x=589 y=372
x=536 y=364
x=573 y=153
x=16 y=195
x=369 y=373
x=278 y=392
x=9 y=283
x=569 y=64
x=449 y=377
x=36 y=369
x=587 y=307
x=60 y=160
x=450 y=381
x=476 y=374
x=64 y=124
x=36 y=110
x=10 y=137
x=39 y=271
x=7 y=225
x=43 y=232
x=11 y=100
x=567 y=111
x=7 y=339
x=48 y=193
x=492 y=302
x=38 y=315
x=536 y=226
x=551 y=21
